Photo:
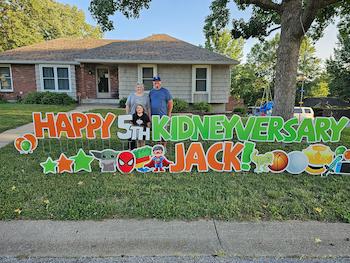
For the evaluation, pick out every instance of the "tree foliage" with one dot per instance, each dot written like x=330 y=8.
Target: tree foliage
x=224 y=44
x=250 y=79
x=25 y=22
x=338 y=68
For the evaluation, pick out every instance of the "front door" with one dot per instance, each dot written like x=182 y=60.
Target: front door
x=103 y=83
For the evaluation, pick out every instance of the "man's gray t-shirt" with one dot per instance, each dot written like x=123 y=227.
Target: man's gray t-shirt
x=134 y=100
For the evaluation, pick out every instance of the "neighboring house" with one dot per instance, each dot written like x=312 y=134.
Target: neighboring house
x=101 y=70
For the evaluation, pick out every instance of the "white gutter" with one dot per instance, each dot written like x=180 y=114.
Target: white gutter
x=38 y=62
x=190 y=62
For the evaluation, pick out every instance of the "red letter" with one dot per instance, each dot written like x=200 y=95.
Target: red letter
x=94 y=123
x=40 y=125
x=211 y=157
x=231 y=156
x=79 y=121
x=179 y=164
x=106 y=125
x=195 y=156
x=63 y=125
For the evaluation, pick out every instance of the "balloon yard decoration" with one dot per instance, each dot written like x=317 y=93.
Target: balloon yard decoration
x=232 y=144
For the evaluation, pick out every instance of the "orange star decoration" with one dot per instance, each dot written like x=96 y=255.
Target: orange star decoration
x=64 y=164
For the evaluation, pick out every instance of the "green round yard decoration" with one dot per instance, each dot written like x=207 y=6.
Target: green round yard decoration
x=26 y=146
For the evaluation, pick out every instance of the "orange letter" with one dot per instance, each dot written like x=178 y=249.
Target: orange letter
x=63 y=125
x=94 y=123
x=179 y=166
x=196 y=156
x=106 y=125
x=79 y=121
x=40 y=125
x=211 y=157
x=231 y=156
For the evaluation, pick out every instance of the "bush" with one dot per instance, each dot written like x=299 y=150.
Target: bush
x=47 y=97
x=122 y=102
x=33 y=98
x=202 y=106
x=2 y=99
x=241 y=111
x=180 y=105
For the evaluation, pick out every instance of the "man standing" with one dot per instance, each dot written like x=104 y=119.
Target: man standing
x=160 y=99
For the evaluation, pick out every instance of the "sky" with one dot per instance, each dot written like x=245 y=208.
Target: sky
x=184 y=19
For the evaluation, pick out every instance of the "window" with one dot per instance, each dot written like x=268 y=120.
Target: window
x=298 y=110
x=307 y=111
x=55 y=78
x=5 y=78
x=146 y=74
x=201 y=79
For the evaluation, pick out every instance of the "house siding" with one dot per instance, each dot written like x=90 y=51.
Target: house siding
x=23 y=81
x=178 y=79
x=220 y=83
x=128 y=77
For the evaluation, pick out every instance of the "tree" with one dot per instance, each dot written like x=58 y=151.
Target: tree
x=223 y=43
x=338 y=68
x=250 y=79
x=294 y=18
x=25 y=22
x=321 y=89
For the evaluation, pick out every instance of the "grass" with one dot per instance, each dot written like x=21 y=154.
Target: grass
x=16 y=114
x=226 y=196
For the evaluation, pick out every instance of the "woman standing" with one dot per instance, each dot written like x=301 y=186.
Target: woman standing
x=139 y=97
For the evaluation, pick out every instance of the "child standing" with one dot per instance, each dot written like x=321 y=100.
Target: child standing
x=140 y=118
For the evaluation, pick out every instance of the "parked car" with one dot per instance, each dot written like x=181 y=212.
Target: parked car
x=304 y=113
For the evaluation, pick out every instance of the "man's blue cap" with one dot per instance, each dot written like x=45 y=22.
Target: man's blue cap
x=156 y=78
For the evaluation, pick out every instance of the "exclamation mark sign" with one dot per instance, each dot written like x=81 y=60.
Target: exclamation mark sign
x=246 y=155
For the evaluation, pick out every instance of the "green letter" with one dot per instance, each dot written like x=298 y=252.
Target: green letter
x=291 y=133
x=337 y=128
x=215 y=127
x=200 y=127
x=229 y=125
x=243 y=133
x=322 y=125
x=274 y=130
x=306 y=129
x=158 y=128
x=185 y=128
x=259 y=133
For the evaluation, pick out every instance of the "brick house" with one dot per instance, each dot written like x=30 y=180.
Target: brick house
x=103 y=71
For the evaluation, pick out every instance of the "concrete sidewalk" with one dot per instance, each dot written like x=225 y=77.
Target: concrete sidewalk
x=9 y=136
x=112 y=238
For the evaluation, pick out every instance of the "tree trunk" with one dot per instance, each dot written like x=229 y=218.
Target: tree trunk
x=287 y=60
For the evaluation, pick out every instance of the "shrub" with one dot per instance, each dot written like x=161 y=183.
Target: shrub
x=122 y=102
x=48 y=98
x=33 y=98
x=180 y=105
x=202 y=106
x=2 y=99
x=241 y=111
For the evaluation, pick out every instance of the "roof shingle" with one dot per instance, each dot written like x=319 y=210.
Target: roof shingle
x=158 y=48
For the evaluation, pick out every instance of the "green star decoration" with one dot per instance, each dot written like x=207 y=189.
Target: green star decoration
x=49 y=166
x=82 y=161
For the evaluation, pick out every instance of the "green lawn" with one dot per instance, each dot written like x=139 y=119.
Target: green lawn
x=228 y=196
x=15 y=114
